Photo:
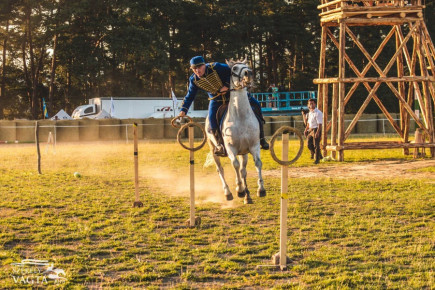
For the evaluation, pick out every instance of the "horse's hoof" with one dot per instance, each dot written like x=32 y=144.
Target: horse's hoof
x=241 y=194
x=261 y=192
x=229 y=196
x=248 y=200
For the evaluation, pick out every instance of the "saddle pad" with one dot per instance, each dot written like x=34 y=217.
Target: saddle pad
x=220 y=115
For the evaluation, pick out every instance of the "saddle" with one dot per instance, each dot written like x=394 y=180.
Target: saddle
x=220 y=114
x=223 y=109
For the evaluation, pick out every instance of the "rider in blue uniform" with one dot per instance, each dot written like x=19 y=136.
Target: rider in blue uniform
x=214 y=78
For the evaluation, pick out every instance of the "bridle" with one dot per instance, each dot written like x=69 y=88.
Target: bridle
x=239 y=76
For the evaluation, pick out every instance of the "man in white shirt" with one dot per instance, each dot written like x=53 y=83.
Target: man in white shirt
x=313 y=130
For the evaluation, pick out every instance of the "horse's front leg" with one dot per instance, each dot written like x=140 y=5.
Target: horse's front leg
x=240 y=187
x=244 y=160
x=261 y=191
x=220 y=170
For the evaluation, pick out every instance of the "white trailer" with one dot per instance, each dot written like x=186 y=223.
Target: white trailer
x=132 y=108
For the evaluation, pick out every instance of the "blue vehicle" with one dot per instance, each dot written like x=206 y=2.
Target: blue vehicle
x=284 y=103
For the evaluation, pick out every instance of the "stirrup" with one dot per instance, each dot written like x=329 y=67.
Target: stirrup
x=220 y=152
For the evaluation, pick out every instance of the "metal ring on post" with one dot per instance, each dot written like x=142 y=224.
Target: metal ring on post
x=286 y=129
x=180 y=117
x=184 y=127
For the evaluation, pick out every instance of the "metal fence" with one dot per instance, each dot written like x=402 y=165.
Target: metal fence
x=149 y=129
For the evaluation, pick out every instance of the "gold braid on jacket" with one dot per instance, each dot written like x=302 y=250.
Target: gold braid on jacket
x=210 y=83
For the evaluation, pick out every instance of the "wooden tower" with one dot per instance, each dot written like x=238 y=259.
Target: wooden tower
x=413 y=63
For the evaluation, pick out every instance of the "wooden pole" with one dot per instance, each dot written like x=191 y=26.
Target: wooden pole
x=384 y=79
x=410 y=95
x=137 y=202
x=426 y=91
x=280 y=258
x=284 y=205
x=341 y=89
x=37 y=146
x=192 y=178
x=334 y=118
x=325 y=119
x=403 y=114
x=322 y=66
x=136 y=163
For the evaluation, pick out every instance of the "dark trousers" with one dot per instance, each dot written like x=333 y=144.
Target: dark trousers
x=314 y=144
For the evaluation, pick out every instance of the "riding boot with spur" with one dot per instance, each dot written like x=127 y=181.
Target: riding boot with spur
x=219 y=150
x=263 y=143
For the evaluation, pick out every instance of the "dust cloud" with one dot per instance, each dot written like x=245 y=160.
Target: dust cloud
x=208 y=187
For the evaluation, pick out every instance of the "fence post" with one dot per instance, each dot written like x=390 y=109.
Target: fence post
x=37 y=146
x=126 y=133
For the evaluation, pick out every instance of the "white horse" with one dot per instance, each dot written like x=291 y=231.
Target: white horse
x=240 y=132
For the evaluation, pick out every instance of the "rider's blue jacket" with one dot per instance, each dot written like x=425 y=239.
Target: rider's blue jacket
x=208 y=84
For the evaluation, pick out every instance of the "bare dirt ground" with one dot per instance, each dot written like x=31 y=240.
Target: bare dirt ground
x=410 y=169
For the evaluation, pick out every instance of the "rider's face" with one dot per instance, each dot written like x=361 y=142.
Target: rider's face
x=199 y=71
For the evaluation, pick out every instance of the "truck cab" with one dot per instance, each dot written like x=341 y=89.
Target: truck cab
x=84 y=111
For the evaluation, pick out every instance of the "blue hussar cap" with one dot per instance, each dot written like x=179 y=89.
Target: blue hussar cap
x=197 y=60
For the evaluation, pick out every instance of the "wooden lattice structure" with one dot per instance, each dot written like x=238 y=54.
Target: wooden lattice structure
x=413 y=61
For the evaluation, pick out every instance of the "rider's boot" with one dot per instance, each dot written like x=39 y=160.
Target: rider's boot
x=263 y=143
x=258 y=114
x=219 y=150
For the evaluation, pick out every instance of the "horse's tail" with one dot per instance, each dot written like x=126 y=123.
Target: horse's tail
x=209 y=161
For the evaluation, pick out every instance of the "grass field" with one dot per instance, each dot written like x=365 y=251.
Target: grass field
x=343 y=233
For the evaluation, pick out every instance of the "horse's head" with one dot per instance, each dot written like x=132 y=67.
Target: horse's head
x=241 y=74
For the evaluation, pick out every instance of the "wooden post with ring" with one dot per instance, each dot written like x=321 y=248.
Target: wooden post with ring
x=192 y=221
x=281 y=259
x=137 y=202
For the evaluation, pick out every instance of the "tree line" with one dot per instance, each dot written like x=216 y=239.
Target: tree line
x=69 y=51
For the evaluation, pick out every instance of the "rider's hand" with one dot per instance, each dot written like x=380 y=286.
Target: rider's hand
x=223 y=89
x=182 y=114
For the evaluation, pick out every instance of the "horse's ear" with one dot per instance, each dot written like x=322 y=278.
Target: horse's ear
x=245 y=60
x=230 y=62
